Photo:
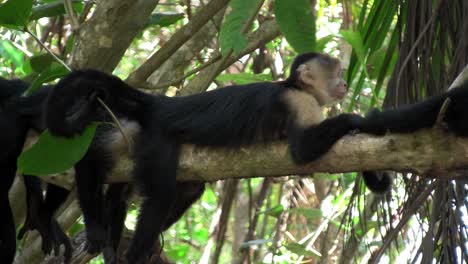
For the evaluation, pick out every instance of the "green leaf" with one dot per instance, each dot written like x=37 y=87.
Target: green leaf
x=243 y=78
x=53 y=9
x=40 y=62
x=55 y=154
x=15 y=13
x=10 y=52
x=354 y=38
x=230 y=36
x=164 y=19
x=274 y=211
x=54 y=71
x=297 y=23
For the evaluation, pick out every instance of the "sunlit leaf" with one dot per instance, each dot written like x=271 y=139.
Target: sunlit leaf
x=354 y=38
x=10 y=52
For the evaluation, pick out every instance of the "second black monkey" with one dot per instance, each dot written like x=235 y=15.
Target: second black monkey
x=18 y=115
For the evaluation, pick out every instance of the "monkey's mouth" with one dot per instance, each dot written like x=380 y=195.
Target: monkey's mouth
x=340 y=95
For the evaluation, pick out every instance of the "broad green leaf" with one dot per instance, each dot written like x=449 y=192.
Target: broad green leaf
x=164 y=19
x=297 y=23
x=243 y=78
x=15 y=13
x=230 y=36
x=10 y=52
x=51 y=73
x=55 y=154
x=53 y=9
x=40 y=62
x=354 y=38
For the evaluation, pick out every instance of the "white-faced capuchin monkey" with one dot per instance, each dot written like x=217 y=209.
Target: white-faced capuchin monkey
x=232 y=116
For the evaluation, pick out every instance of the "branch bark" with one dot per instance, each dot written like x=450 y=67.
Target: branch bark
x=427 y=153
x=104 y=38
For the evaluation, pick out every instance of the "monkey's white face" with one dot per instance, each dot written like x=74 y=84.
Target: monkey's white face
x=325 y=83
x=337 y=86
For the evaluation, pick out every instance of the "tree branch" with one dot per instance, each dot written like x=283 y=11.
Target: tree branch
x=177 y=40
x=428 y=153
x=104 y=38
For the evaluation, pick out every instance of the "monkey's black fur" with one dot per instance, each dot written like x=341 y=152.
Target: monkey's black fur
x=379 y=182
x=231 y=116
x=410 y=118
x=17 y=116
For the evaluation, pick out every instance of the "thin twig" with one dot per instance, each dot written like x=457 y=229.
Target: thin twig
x=461 y=78
x=117 y=123
x=442 y=111
x=409 y=211
x=71 y=13
x=410 y=53
x=47 y=49
x=188 y=74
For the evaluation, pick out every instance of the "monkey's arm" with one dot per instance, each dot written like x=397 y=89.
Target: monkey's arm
x=309 y=134
x=308 y=144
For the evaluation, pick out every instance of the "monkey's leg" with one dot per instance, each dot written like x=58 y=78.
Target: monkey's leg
x=7 y=225
x=155 y=176
x=115 y=212
x=187 y=194
x=90 y=173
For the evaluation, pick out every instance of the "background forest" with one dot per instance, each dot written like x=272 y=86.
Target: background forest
x=394 y=52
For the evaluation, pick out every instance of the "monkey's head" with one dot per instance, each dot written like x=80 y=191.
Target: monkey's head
x=319 y=75
x=73 y=103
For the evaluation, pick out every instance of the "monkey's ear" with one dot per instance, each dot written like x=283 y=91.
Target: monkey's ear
x=306 y=76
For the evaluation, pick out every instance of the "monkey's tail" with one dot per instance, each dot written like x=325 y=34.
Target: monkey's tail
x=378 y=181
x=76 y=101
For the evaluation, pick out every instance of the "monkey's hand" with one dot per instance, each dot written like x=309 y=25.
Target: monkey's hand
x=371 y=124
x=50 y=231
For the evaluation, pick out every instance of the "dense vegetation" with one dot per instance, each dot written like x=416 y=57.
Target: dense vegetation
x=395 y=52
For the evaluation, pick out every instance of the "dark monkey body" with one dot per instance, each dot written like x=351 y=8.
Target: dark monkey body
x=232 y=116
x=18 y=115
